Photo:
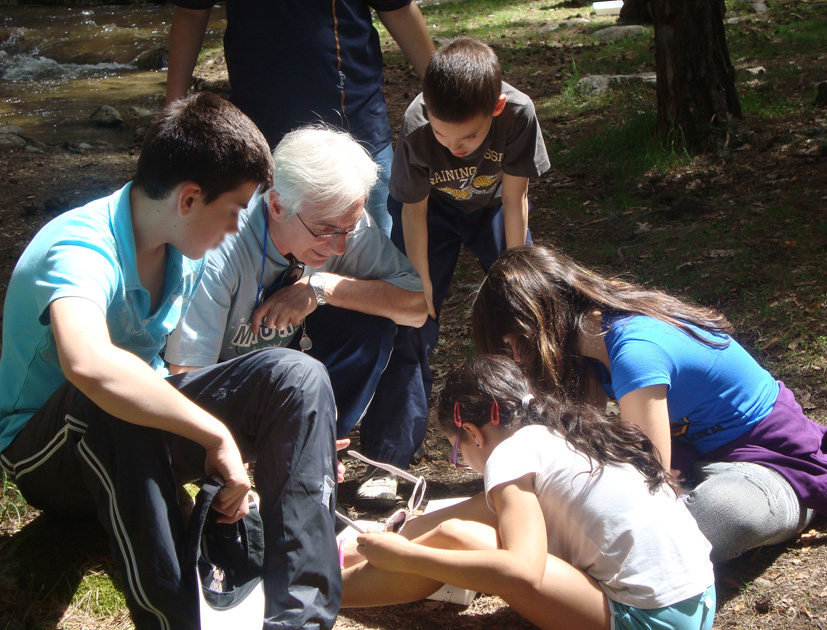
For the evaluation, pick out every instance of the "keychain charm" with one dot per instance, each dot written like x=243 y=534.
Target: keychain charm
x=305 y=343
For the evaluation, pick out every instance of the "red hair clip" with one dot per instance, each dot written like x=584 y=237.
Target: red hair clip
x=457 y=419
x=495 y=413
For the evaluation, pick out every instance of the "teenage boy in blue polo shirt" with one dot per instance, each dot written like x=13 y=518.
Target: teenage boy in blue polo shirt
x=89 y=423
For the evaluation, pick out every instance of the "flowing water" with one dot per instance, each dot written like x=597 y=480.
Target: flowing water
x=59 y=64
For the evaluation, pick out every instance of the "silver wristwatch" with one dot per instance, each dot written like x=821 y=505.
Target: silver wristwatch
x=317 y=284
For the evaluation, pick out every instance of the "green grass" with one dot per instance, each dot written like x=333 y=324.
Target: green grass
x=13 y=507
x=98 y=596
x=790 y=29
x=625 y=151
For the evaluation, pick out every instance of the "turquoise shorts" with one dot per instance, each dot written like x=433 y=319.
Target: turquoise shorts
x=695 y=613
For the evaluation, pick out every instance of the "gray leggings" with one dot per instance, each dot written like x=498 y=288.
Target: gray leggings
x=740 y=506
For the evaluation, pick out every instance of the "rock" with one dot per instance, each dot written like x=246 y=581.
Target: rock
x=613 y=33
x=733 y=20
x=821 y=95
x=106 y=116
x=759 y=7
x=155 y=59
x=84 y=146
x=18 y=131
x=32 y=149
x=757 y=70
x=563 y=24
x=11 y=140
x=140 y=112
x=600 y=83
x=592 y=86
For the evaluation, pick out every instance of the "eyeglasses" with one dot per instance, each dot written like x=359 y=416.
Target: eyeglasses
x=495 y=420
x=288 y=277
x=397 y=520
x=331 y=235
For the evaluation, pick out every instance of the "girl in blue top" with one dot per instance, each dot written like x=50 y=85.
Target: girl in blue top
x=752 y=461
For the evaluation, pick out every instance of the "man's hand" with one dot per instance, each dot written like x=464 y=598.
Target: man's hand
x=286 y=307
x=428 y=288
x=224 y=460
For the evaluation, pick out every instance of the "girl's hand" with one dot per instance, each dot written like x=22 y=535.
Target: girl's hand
x=385 y=550
x=340 y=471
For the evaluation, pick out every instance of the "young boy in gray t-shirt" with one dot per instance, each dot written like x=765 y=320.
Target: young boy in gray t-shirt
x=467 y=148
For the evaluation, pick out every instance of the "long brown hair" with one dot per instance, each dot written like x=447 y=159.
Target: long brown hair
x=544 y=299
x=476 y=384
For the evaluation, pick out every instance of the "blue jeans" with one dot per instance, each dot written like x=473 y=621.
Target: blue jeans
x=355 y=348
x=377 y=205
x=405 y=387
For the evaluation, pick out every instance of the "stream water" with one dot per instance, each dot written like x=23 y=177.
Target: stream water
x=59 y=64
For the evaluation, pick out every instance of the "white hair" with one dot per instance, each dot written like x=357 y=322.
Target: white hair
x=322 y=168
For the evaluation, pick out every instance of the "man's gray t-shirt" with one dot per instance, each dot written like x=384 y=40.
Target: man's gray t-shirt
x=217 y=324
x=422 y=166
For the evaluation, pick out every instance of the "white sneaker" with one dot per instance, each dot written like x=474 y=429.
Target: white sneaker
x=377 y=489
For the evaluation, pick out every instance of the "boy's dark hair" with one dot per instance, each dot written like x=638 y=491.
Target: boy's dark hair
x=206 y=140
x=463 y=80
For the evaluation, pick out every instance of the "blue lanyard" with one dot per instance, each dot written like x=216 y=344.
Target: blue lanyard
x=293 y=264
x=263 y=256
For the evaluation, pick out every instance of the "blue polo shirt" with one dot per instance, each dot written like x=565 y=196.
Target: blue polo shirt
x=88 y=252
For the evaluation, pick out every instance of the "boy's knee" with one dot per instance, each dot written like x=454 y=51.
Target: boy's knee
x=288 y=369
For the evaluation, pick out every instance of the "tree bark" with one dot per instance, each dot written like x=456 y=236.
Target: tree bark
x=695 y=77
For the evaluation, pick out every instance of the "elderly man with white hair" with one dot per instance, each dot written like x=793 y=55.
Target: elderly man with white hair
x=309 y=270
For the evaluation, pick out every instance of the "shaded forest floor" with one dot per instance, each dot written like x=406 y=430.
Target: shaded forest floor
x=744 y=231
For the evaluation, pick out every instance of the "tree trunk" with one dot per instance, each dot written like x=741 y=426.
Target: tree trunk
x=695 y=77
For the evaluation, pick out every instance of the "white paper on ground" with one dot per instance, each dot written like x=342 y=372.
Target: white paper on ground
x=447 y=593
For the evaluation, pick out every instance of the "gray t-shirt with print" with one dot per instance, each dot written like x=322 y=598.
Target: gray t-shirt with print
x=422 y=166
x=217 y=324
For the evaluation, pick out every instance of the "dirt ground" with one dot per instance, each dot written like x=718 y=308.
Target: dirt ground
x=772 y=588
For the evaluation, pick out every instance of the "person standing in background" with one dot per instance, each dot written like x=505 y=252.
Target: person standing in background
x=293 y=62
